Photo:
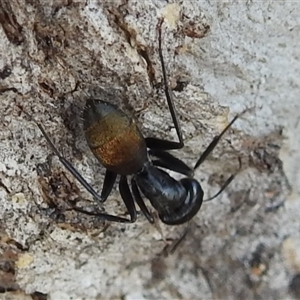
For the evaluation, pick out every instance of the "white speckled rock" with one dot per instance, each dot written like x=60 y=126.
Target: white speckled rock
x=231 y=56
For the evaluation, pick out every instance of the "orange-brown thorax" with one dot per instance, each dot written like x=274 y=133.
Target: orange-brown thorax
x=117 y=142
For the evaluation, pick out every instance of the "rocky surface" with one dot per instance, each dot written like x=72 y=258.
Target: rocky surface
x=221 y=58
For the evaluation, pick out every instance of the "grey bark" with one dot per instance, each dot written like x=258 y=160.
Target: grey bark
x=229 y=56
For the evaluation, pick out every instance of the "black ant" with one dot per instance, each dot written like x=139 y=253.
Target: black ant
x=120 y=147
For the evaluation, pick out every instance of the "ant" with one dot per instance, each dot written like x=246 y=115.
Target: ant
x=120 y=147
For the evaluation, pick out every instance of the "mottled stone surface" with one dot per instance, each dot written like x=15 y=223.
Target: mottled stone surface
x=222 y=58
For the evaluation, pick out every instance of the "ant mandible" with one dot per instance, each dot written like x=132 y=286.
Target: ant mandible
x=120 y=147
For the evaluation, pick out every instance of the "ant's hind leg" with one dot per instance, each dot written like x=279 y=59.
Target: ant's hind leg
x=67 y=164
x=109 y=181
x=168 y=161
x=160 y=144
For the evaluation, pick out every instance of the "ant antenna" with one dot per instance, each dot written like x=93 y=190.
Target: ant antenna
x=227 y=182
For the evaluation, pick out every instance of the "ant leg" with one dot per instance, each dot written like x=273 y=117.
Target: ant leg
x=109 y=181
x=168 y=161
x=69 y=166
x=226 y=183
x=155 y=143
x=127 y=198
x=213 y=144
x=139 y=200
x=104 y=217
